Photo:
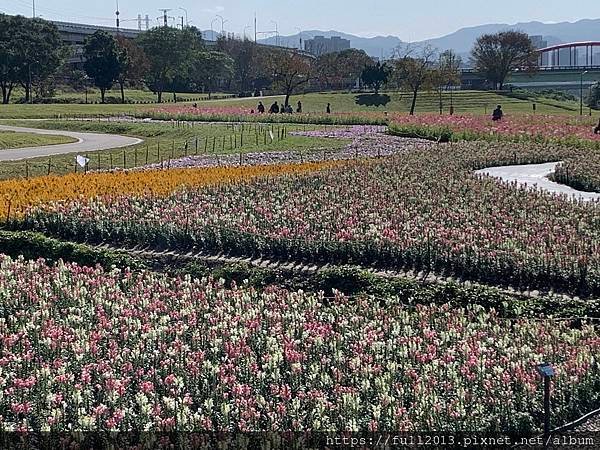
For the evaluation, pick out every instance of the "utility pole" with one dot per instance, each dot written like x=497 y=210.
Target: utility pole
x=276 y=32
x=139 y=22
x=255 y=32
x=165 y=17
x=147 y=22
x=33 y=8
x=117 y=14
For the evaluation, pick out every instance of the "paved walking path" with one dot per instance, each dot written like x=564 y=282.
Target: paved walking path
x=86 y=142
x=537 y=175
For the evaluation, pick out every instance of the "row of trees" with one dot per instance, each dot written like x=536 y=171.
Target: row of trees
x=167 y=59
x=30 y=54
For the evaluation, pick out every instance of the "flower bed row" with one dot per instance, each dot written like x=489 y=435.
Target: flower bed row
x=422 y=210
x=85 y=349
x=17 y=195
x=512 y=127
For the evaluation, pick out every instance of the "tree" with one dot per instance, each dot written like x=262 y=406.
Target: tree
x=375 y=76
x=353 y=62
x=447 y=73
x=245 y=54
x=289 y=70
x=133 y=63
x=103 y=61
x=342 y=68
x=210 y=68
x=416 y=72
x=497 y=55
x=8 y=58
x=169 y=51
x=31 y=52
x=594 y=96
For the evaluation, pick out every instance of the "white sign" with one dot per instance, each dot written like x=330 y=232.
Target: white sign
x=82 y=160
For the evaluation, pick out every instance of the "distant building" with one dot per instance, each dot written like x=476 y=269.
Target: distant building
x=320 y=45
x=539 y=42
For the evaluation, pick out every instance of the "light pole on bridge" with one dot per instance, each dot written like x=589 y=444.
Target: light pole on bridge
x=581 y=94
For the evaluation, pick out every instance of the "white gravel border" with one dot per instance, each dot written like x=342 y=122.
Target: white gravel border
x=537 y=175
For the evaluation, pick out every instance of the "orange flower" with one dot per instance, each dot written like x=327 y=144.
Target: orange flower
x=16 y=196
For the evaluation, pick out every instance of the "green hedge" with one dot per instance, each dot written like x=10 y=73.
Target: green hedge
x=35 y=245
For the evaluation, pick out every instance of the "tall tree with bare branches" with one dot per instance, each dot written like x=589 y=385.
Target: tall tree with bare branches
x=289 y=71
x=416 y=71
x=497 y=55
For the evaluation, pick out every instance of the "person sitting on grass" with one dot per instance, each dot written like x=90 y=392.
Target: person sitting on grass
x=597 y=129
x=261 y=108
x=328 y=110
x=299 y=108
x=498 y=114
x=274 y=108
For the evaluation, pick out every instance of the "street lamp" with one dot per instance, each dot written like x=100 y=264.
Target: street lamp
x=222 y=24
x=212 y=29
x=581 y=94
x=187 y=22
x=300 y=34
x=276 y=32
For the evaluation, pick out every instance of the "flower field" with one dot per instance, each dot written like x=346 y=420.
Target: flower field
x=245 y=114
x=523 y=126
x=85 y=349
x=423 y=210
x=580 y=173
x=16 y=196
x=365 y=142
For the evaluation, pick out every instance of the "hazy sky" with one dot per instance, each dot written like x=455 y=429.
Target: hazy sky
x=411 y=20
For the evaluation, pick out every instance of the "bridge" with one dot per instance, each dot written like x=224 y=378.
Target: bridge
x=75 y=34
x=566 y=67
x=574 y=54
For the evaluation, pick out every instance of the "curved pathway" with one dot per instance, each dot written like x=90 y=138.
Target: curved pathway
x=86 y=142
x=537 y=175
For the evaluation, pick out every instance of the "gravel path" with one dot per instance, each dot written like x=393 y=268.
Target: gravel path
x=537 y=175
x=86 y=142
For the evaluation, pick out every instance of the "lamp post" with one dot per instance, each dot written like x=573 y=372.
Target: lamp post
x=212 y=28
x=300 y=34
x=187 y=22
x=581 y=94
x=276 y=32
x=222 y=24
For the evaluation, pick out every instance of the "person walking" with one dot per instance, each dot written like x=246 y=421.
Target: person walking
x=299 y=108
x=328 y=108
x=261 y=108
x=274 y=108
x=597 y=129
x=498 y=114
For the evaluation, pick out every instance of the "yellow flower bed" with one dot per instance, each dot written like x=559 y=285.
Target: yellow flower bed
x=16 y=196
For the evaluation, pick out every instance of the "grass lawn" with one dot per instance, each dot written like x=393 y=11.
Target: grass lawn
x=113 y=95
x=471 y=102
x=164 y=142
x=10 y=139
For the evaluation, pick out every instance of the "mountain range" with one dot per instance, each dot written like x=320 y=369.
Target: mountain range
x=460 y=41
